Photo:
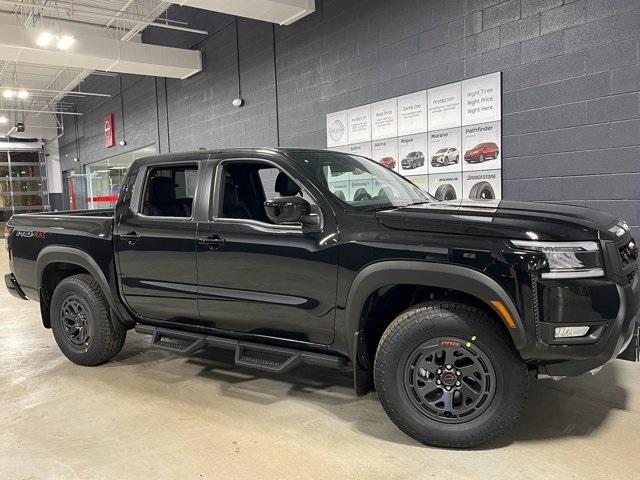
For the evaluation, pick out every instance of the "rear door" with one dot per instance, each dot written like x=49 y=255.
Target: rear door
x=155 y=243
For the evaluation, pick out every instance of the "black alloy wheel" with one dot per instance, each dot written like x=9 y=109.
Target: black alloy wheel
x=76 y=322
x=449 y=380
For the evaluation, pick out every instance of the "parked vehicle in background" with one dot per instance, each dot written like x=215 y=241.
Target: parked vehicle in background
x=482 y=152
x=389 y=162
x=413 y=160
x=445 y=156
x=446 y=307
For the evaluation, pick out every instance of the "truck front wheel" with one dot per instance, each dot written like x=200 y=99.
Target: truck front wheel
x=448 y=375
x=82 y=324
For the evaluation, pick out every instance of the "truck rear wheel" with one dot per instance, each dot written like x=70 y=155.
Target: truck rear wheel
x=448 y=375
x=82 y=324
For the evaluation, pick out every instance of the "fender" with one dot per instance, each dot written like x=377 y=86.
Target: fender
x=439 y=275
x=75 y=256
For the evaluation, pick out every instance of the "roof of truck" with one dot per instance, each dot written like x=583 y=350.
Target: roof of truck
x=207 y=153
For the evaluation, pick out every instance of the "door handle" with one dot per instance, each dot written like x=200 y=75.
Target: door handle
x=213 y=242
x=131 y=237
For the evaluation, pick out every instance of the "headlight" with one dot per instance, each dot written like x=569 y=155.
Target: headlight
x=567 y=259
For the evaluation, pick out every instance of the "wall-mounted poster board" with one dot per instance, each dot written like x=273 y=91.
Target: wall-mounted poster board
x=447 y=139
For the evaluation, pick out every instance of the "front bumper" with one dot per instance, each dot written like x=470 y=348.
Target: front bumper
x=13 y=287
x=612 y=311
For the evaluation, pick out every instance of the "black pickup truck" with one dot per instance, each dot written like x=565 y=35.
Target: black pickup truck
x=446 y=308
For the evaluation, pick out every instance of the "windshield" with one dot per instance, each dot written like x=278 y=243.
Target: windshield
x=359 y=182
x=442 y=150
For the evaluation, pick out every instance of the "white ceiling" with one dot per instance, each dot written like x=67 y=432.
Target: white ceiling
x=107 y=34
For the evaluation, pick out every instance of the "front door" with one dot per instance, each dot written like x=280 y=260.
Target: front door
x=259 y=278
x=155 y=244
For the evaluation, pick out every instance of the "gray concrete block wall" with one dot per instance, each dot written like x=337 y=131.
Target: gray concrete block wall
x=571 y=85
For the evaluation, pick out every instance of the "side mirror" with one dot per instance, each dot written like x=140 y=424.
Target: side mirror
x=287 y=210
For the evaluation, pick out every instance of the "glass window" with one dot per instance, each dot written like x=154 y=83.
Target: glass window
x=105 y=178
x=27 y=185
x=169 y=191
x=25 y=157
x=21 y=183
x=20 y=171
x=5 y=200
x=27 y=200
x=247 y=185
x=360 y=183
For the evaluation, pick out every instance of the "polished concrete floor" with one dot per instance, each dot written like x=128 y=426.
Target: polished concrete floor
x=150 y=414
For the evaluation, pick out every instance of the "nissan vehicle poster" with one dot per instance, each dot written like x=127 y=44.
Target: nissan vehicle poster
x=412 y=154
x=481 y=146
x=444 y=149
x=447 y=138
x=386 y=152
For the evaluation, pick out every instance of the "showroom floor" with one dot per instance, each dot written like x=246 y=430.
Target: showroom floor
x=150 y=414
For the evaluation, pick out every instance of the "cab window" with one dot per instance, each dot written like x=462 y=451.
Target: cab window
x=169 y=191
x=246 y=185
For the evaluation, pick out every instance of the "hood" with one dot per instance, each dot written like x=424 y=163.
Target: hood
x=504 y=219
x=439 y=155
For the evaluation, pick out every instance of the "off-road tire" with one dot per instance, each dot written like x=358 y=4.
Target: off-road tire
x=107 y=334
x=448 y=319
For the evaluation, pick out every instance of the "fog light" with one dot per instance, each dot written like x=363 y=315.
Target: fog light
x=568 y=332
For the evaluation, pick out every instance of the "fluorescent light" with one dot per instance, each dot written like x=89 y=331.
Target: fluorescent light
x=44 y=39
x=4 y=120
x=23 y=93
x=8 y=93
x=64 y=42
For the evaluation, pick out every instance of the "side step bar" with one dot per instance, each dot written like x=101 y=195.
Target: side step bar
x=253 y=355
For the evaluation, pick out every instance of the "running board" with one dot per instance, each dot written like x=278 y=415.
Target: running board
x=252 y=355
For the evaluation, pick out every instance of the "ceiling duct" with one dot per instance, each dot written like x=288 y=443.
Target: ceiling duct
x=94 y=48
x=282 y=12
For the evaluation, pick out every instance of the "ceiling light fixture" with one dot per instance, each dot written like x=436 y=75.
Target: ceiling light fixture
x=8 y=93
x=23 y=93
x=44 y=39
x=4 y=120
x=65 y=42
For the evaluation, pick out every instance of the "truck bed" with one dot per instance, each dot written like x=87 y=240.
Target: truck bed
x=33 y=234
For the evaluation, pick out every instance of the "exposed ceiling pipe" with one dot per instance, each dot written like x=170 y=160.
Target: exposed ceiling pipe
x=16 y=110
x=98 y=13
x=43 y=90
